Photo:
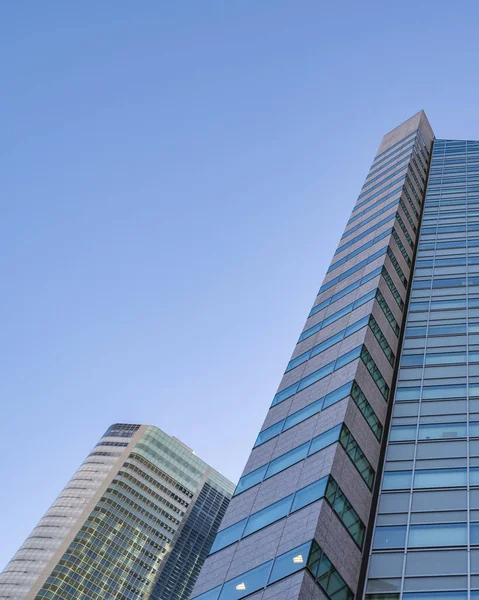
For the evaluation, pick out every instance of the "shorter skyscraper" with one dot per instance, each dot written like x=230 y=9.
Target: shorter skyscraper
x=135 y=521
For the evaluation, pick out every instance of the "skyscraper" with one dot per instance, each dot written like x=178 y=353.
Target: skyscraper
x=135 y=521
x=302 y=522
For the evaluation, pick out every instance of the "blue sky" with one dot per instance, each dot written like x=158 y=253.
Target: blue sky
x=175 y=177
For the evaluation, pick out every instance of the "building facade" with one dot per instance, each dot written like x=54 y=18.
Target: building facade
x=118 y=528
x=302 y=517
x=426 y=534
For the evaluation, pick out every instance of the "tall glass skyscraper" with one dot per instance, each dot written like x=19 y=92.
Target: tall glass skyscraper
x=135 y=521
x=364 y=479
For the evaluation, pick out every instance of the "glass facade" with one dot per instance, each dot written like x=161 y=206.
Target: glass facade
x=426 y=534
x=136 y=521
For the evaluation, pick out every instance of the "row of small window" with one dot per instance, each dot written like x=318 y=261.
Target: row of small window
x=440 y=330
x=358 y=352
x=368 y=231
x=307 y=556
x=398 y=159
x=381 y=252
x=423 y=263
x=393 y=193
x=401 y=143
x=426 y=536
x=367 y=321
x=340 y=433
x=349 y=389
x=443 y=213
x=430 y=478
x=323 y=488
x=445 y=197
x=381 y=185
x=345 y=291
x=439 y=358
x=436 y=392
x=382 y=211
x=434 y=431
x=468 y=226
x=392 y=170
x=359 y=250
x=358 y=283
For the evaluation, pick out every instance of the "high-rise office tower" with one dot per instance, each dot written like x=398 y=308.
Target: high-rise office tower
x=361 y=483
x=136 y=521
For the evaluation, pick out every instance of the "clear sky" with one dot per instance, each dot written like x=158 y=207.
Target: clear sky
x=175 y=177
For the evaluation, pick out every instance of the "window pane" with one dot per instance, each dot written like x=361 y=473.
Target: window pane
x=440 y=478
x=251 y=479
x=228 y=536
x=438 y=535
x=323 y=440
x=268 y=515
x=290 y=562
x=303 y=414
x=309 y=494
x=442 y=430
x=286 y=460
x=390 y=537
x=269 y=433
x=396 y=480
x=247 y=583
x=210 y=595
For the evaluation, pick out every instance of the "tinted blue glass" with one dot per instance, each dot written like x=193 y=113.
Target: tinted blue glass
x=210 y=595
x=474 y=476
x=407 y=393
x=304 y=413
x=251 y=479
x=390 y=537
x=442 y=430
x=309 y=494
x=290 y=562
x=268 y=515
x=316 y=376
x=269 y=433
x=436 y=596
x=347 y=358
x=228 y=536
x=444 y=391
x=325 y=439
x=402 y=432
x=286 y=393
x=247 y=583
x=337 y=395
x=288 y=459
x=445 y=534
x=434 y=478
x=397 y=480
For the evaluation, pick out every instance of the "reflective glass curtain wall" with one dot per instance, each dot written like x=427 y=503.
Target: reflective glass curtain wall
x=426 y=537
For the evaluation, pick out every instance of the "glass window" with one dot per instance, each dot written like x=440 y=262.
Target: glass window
x=247 y=583
x=435 y=596
x=386 y=564
x=228 y=536
x=451 y=534
x=394 y=503
x=303 y=414
x=286 y=460
x=269 y=433
x=402 y=432
x=439 y=501
x=268 y=515
x=251 y=479
x=309 y=494
x=390 y=537
x=442 y=430
x=290 y=562
x=210 y=595
x=396 y=480
x=443 y=562
x=407 y=393
x=325 y=439
x=443 y=391
x=433 y=478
